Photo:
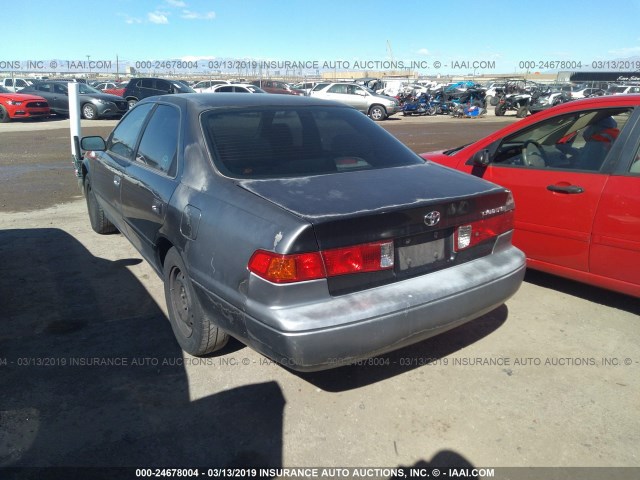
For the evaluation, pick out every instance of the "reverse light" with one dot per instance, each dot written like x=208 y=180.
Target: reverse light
x=278 y=268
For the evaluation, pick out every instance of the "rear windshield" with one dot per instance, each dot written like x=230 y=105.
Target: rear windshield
x=276 y=142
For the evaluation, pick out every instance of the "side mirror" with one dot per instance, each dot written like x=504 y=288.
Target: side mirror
x=481 y=158
x=95 y=143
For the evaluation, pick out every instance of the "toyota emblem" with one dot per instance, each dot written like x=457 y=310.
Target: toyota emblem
x=432 y=218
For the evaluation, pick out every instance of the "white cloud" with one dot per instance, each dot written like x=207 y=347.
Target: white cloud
x=423 y=51
x=176 y=3
x=625 y=51
x=158 y=17
x=189 y=15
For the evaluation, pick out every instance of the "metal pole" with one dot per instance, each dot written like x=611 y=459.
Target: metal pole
x=75 y=127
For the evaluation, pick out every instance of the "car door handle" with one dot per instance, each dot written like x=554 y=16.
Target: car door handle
x=565 y=188
x=157 y=207
x=116 y=180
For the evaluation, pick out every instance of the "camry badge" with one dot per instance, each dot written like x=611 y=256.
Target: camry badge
x=432 y=218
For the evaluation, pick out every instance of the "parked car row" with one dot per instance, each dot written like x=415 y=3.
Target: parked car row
x=94 y=104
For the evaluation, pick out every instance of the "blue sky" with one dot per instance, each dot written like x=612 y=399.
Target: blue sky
x=454 y=33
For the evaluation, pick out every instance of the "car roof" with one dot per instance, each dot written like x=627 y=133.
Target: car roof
x=205 y=101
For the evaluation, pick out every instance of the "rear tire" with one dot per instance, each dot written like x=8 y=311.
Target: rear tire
x=193 y=328
x=500 y=109
x=522 y=112
x=132 y=102
x=99 y=222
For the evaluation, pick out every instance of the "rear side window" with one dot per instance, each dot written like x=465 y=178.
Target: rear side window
x=277 y=142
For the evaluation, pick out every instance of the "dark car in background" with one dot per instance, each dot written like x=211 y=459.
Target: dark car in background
x=275 y=86
x=18 y=105
x=298 y=226
x=139 y=88
x=94 y=104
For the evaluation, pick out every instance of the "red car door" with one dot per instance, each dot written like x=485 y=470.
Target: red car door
x=554 y=212
x=558 y=170
x=615 y=247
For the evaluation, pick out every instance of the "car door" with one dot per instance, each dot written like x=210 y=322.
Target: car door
x=150 y=179
x=615 y=248
x=343 y=92
x=557 y=177
x=60 y=99
x=107 y=168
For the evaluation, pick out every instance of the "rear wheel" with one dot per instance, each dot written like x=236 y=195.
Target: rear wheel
x=4 y=115
x=377 y=113
x=194 y=330
x=99 y=222
x=132 y=102
x=522 y=112
x=500 y=109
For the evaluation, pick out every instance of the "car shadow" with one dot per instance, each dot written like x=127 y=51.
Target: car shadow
x=420 y=355
x=582 y=290
x=445 y=463
x=91 y=374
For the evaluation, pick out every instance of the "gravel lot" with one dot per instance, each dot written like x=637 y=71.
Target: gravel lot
x=91 y=374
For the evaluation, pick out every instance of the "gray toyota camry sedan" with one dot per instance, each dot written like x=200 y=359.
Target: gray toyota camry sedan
x=298 y=226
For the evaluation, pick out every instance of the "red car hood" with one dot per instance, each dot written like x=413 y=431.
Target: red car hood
x=438 y=156
x=21 y=97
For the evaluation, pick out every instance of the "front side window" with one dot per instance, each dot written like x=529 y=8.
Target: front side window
x=159 y=145
x=123 y=139
x=274 y=142
x=576 y=141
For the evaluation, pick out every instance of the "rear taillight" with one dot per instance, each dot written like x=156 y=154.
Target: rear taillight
x=498 y=221
x=278 y=268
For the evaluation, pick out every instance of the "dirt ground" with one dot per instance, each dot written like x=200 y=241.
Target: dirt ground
x=91 y=376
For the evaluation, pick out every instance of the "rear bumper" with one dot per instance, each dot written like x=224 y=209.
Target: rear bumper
x=344 y=329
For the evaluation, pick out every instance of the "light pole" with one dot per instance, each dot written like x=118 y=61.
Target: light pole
x=88 y=63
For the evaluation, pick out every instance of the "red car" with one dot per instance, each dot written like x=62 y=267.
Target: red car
x=17 y=105
x=574 y=171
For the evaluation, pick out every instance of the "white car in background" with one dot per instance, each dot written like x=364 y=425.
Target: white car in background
x=207 y=84
x=15 y=84
x=235 y=88
x=376 y=106
x=623 y=89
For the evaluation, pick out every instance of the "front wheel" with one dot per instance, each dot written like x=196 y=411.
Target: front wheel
x=377 y=113
x=132 y=103
x=89 y=112
x=500 y=109
x=194 y=330
x=99 y=222
x=4 y=115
